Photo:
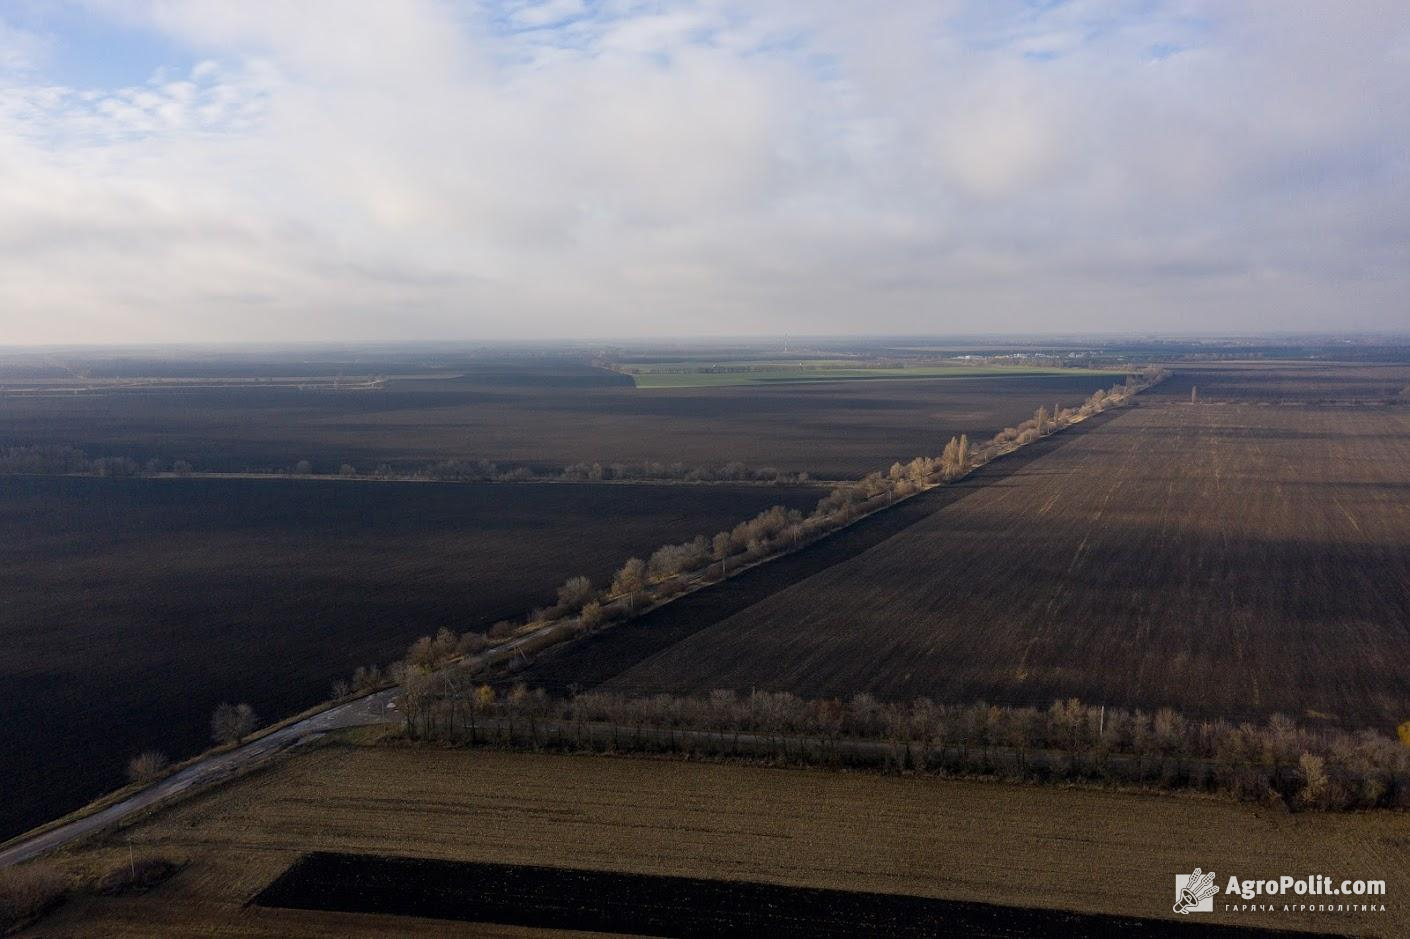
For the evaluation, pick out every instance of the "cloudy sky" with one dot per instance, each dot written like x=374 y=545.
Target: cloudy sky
x=190 y=170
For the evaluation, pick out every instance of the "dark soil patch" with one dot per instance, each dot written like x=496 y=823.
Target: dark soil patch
x=683 y=907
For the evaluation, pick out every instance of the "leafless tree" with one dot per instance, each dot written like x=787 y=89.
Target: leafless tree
x=232 y=723
x=575 y=592
x=630 y=581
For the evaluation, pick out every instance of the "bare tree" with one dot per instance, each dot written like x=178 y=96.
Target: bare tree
x=232 y=723
x=575 y=592
x=630 y=581
x=720 y=550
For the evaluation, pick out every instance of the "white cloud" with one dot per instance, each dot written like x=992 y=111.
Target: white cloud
x=426 y=169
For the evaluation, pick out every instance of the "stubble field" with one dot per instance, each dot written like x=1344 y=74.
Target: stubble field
x=1033 y=847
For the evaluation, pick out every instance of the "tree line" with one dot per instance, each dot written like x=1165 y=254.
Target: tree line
x=63 y=460
x=52 y=460
x=1277 y=761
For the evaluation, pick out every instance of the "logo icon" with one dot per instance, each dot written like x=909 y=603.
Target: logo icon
x=1194 y=892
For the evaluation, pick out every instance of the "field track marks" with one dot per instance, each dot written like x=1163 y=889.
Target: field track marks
x=1060 y=585
x=1349 y=517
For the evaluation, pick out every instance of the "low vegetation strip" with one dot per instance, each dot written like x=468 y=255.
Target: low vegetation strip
x=64 y=460
x=681 y=907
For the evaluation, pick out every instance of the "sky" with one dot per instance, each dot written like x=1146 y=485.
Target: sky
x=210 y=171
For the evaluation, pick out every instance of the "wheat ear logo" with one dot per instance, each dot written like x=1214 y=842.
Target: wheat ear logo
x=1193 y=892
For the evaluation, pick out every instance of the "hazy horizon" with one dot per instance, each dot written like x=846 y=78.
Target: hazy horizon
x=460 y=343
x=206 y=173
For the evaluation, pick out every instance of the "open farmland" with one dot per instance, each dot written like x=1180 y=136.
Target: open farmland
x=130 y=608
x=1304 y=382
x=1228 y=560
x=540 y=418
x=1013 y=846
x=674 y=376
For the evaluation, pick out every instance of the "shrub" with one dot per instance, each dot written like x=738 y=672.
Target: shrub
x=135 y=876
x=145 y=767
x=471 y=643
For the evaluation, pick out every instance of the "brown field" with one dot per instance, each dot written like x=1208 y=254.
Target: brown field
x=538 y=419
x=1228 y=560
x=1292 y=381
x=1085 y=850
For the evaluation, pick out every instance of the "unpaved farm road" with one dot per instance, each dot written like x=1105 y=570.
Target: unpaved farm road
x=372 y=709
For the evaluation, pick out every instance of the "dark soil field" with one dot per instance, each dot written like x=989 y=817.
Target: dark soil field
x=677 y=907
x=130 y=608
x=542 y=419
x=1228 y=560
